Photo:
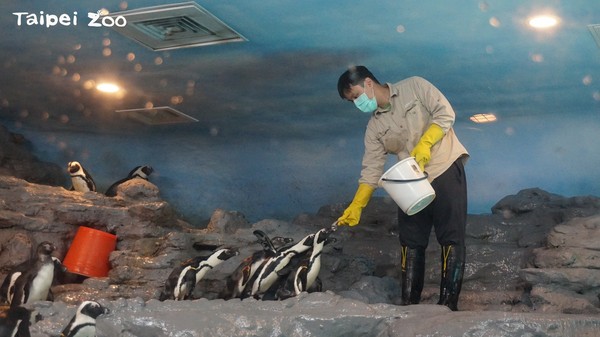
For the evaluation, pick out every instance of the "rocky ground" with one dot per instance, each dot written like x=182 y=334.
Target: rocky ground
x=532 y=267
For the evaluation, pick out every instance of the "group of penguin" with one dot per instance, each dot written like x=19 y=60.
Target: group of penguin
x=280 y=270
x=82 y=180
x=31 y=281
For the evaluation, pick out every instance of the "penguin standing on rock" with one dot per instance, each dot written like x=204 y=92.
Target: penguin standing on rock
x=183 y=279
x=83 y=324
x=304 y=274
x=245 y=273
x=82 y=181
x=270 y=269
x=141 y=172
x=36 y=278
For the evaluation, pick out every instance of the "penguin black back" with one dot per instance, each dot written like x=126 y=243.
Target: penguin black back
x=141 y=172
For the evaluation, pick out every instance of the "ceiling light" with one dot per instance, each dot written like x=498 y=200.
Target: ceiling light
x=543 y=21
x=483 y=118
x=109 y=88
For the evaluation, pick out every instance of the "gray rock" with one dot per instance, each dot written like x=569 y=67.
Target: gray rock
x=537 y=253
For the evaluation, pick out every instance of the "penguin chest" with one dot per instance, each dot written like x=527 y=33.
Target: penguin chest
x=184 y=283
x=313 y=272
x=268 y=274
x=11 y=286
x=83 y=326
x=80 y=184
x=40 y=285
x=84 y=331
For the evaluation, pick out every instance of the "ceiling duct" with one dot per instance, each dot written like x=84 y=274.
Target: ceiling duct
x=174 y=26
x=157 y=116
x=595 y=30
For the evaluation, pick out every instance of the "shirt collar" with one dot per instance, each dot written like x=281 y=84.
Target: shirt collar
x=393 y=92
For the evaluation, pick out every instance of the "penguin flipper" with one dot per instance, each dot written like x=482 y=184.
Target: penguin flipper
x=265 y=241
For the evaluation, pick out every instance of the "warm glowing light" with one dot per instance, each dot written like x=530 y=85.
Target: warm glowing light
x=543 y=21
x=108 y=87
x=483 y=118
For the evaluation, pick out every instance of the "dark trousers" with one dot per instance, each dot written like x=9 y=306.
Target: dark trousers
x=447 y=214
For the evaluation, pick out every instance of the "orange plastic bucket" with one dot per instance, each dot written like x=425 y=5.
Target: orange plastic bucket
x=89 y=252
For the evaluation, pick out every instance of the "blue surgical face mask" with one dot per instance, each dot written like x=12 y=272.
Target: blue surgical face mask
x=366 y=104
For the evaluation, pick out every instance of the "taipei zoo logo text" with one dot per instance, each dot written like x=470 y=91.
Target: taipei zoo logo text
x=52 y=20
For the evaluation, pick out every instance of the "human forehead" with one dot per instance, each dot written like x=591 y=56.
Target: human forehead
x=352 y=92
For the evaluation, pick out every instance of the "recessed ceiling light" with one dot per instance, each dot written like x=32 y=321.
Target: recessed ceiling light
x=543 y=21
x=108 y=87
x=483 y=118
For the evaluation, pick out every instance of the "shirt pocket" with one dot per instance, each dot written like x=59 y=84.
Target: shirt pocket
x=411 y=107
x=394 y=141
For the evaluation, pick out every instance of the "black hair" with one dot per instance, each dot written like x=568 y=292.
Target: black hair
x=355 y=75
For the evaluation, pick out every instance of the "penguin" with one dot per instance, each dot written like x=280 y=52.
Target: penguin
x=139 y=172
x=83 y=323
x=15 y=322
x=7 y=288
x=304 y=274
x=8 y=285
x=183 y=279
x=269 y=269
x=82 y=181
x=36 y=279
x=244 y=273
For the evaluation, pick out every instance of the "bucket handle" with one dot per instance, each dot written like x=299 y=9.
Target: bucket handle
x=407 y=180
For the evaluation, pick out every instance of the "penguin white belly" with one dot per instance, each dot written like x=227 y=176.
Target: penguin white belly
x=268 y=276
x=79 y=184
x=181 y=287
x=313 y=272
x=40 y=286
x=204 y=267
x=83 y=326
x=86 y=331
x=11 y=286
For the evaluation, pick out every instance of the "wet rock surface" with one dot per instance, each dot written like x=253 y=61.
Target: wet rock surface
x=531 y=268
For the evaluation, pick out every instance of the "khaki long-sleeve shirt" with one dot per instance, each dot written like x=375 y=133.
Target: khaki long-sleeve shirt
x=414 y=105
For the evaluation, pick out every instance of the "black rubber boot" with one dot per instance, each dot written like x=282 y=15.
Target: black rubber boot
x=453 y=268
x=413 y=274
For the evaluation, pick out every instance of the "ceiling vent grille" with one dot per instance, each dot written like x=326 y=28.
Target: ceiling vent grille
x=157 y=116
x=595 y=30
x=175 y=26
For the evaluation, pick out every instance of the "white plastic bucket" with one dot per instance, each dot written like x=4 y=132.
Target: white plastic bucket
x=408 y=186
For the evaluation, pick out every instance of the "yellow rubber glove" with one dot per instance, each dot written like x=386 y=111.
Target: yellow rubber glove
x=422 y=151
x=351 y=215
